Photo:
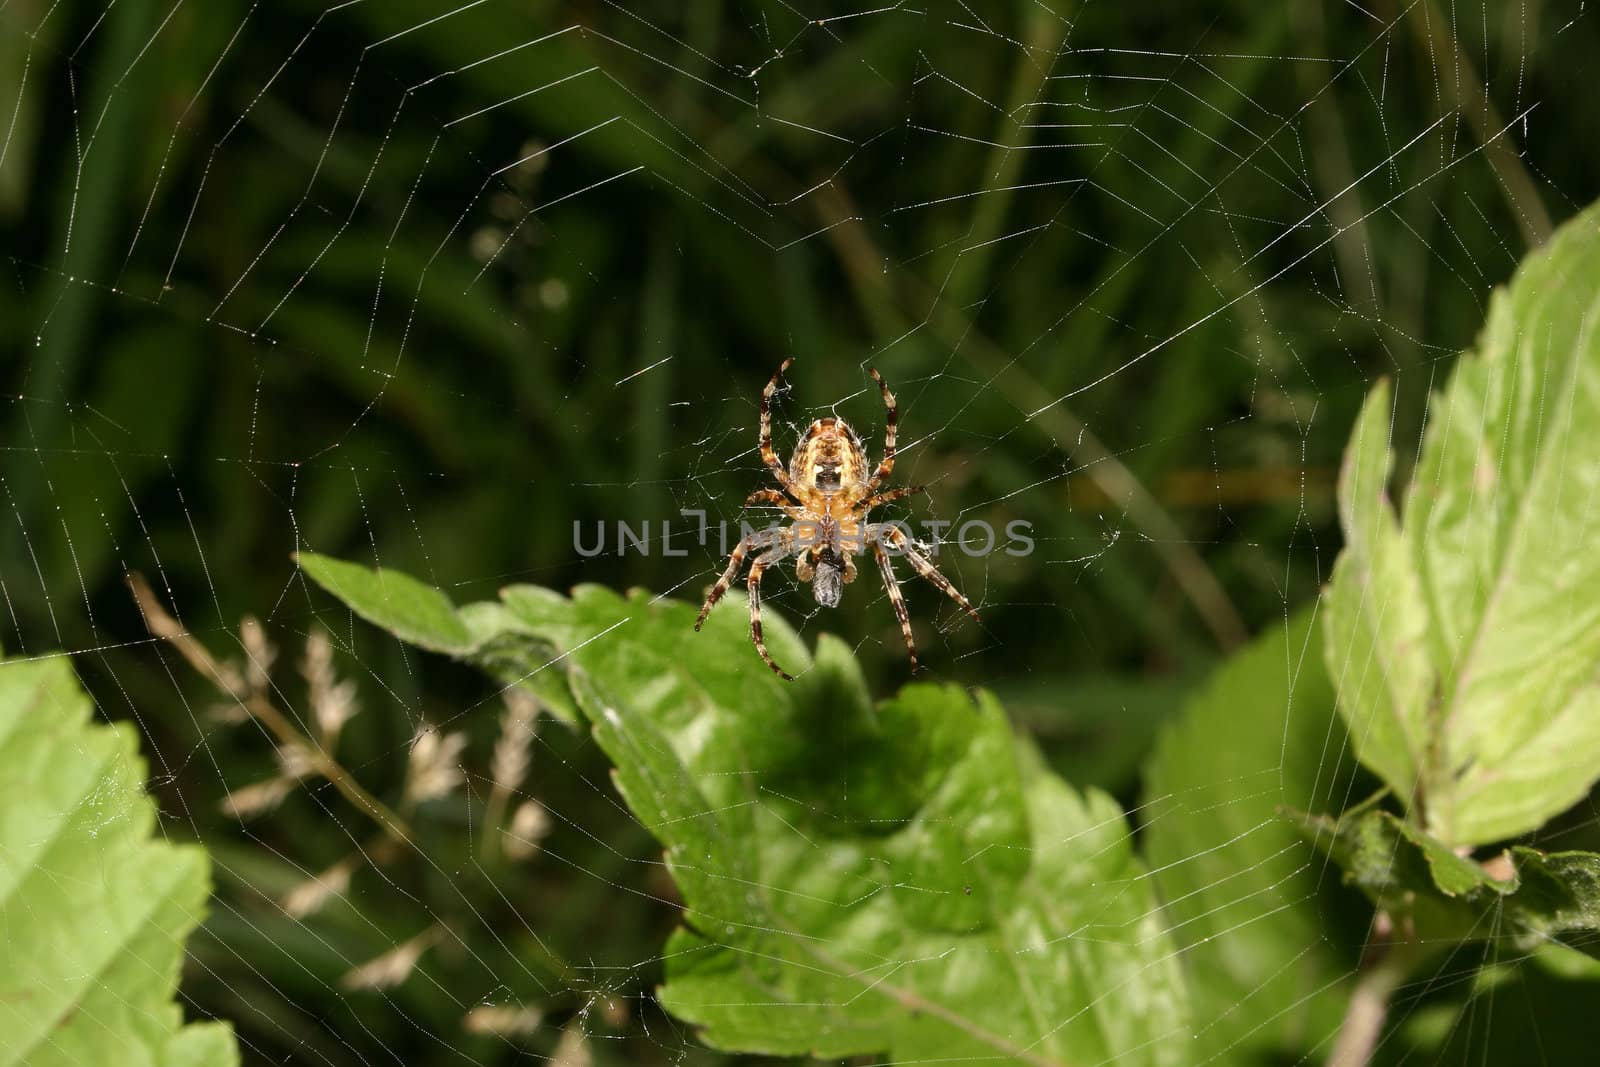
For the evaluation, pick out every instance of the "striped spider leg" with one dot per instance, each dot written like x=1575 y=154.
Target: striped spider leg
x=886 y=534
x=774 y=543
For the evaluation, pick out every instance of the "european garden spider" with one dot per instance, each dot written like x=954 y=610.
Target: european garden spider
x=827 y=493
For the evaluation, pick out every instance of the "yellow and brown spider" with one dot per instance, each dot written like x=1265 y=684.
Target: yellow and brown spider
x=827 y=493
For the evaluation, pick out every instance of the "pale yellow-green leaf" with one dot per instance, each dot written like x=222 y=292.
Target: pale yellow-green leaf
x=1466 y=648
x=1380 y=662
x=93 y=908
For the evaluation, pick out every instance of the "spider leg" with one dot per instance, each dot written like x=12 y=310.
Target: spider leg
x=769 y=457
x=892 y=495
x=889 y=421
x=896 y=600
x=775 y=497
x=759 y=539
x=923 y=566
x=763 y=561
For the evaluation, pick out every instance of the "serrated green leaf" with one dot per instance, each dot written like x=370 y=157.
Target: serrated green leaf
x=1260 y=927
x=900 y=879
x=94 y=911
x=514 y=654
x=1440 y=897
x=1559 y=896
x=397 y=602
x=1465 y=638
x=905 y=878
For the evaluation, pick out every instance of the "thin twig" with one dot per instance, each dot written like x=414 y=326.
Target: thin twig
x=1385 y=966
x=162 y=624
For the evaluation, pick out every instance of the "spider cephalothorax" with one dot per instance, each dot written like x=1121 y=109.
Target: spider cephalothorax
x=827 y=492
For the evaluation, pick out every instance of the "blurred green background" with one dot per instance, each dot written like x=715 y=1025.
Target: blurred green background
x=424 y=284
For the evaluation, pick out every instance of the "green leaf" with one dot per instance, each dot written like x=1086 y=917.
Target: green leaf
x=1438 y=896
x=490 y=635
x=95 y=911
x=1376 y=621
x=903 y=879
x=1262 y=933
x=397 y=602
x=514 y=654
x=1465 y=638
x=1559 y=897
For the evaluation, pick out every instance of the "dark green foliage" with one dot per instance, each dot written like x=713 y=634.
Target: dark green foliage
x=1442 y=898
x=1269 y=947
x=903 y=878
x=818 y=840
x=1131 y=271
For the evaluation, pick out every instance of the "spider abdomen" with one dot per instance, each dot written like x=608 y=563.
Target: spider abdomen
x=828 y=583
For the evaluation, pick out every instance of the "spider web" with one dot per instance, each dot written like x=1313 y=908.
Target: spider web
x=429 y=285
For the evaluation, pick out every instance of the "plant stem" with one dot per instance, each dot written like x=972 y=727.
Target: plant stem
x=163 y=625
x=331 y=769
x=1386 y=966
